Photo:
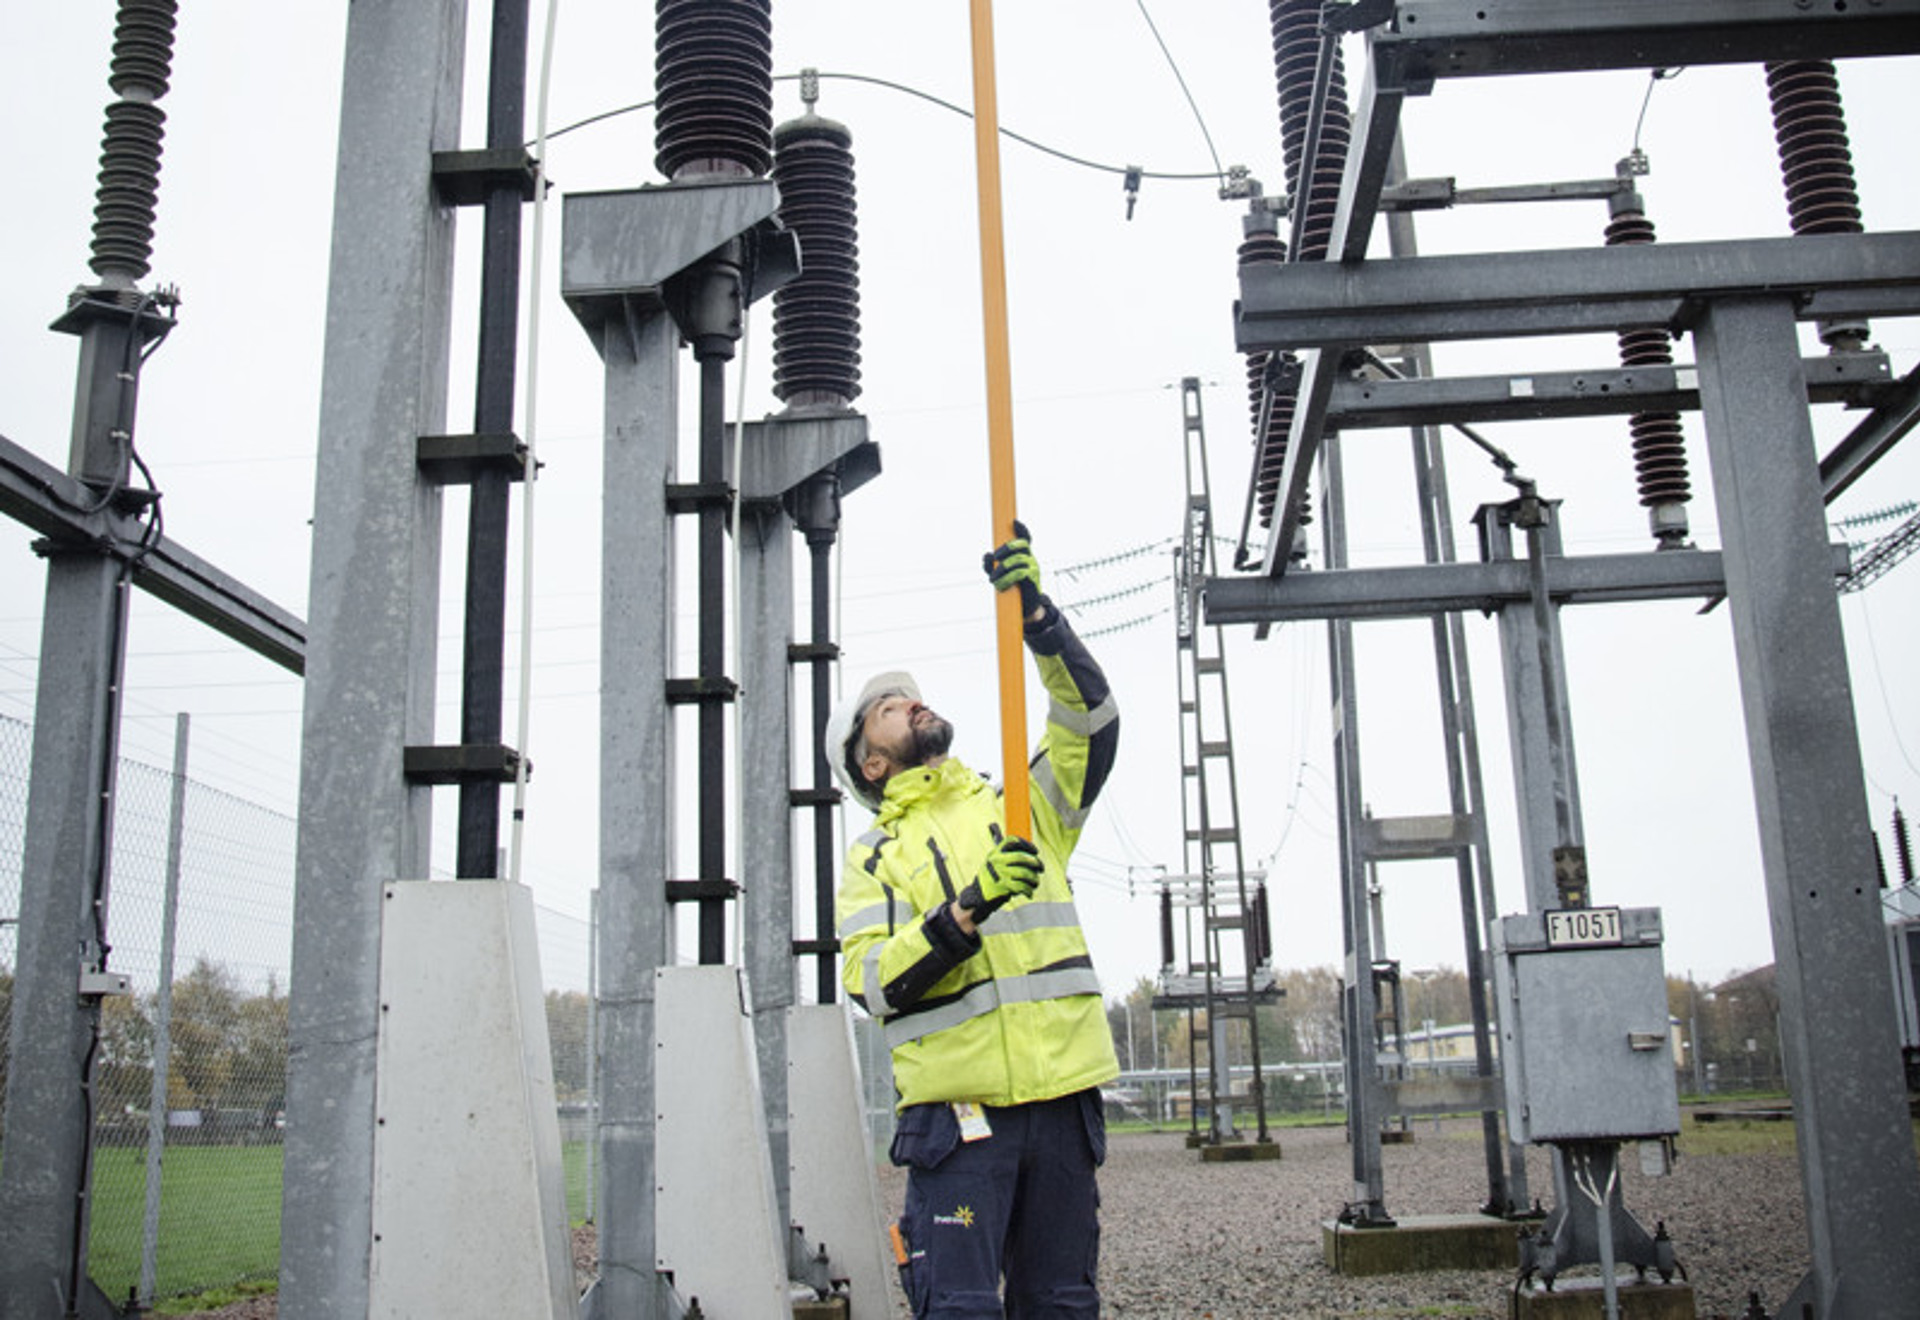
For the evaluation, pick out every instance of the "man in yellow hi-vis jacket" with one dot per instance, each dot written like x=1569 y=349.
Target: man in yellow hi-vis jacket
x=964 y=943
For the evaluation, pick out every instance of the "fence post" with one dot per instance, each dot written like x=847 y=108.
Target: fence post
x=163 y=1013
x=593 y=1049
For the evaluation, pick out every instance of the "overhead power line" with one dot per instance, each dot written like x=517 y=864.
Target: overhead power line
x=1125 y=171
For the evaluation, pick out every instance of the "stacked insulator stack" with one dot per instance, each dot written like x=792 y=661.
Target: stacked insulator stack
x=1313 y=185
x=129 y=180
x=1659 y=444
x=1816 y=165
x=1816 y=160
x=713 y=87
x=816 y=317
x=1263 y=246
x=1902 y=845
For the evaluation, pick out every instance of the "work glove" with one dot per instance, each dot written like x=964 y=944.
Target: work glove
x=1012 y=870
x=1013 y=565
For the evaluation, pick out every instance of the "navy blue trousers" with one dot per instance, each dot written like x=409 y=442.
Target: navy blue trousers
x=1020 y=1205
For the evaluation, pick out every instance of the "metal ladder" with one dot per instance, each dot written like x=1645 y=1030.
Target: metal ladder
x=1230 y=974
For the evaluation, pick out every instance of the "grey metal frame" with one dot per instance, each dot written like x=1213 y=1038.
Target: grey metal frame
x=620 y=251
x=374 y=606
x=1843 y=1064
x=1741 y=299
x=636 y=791
x=777 y=457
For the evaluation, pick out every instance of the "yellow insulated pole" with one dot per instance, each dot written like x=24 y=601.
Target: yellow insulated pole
x=993 y=298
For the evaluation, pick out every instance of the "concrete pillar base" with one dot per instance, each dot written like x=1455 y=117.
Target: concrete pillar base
x=1421 y=1242
x=1238 y=1152
x=1585 y=1299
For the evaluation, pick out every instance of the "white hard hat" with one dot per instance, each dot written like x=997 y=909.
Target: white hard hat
x=844 y=726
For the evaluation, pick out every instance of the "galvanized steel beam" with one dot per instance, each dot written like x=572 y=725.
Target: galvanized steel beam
x=1434 y=39
x=1428 y=589
x=1862 y=1187
x=374 y=615
x=1361 y=402
x=636 y=760
x=42 y=497
x=1876 y=434
x=1569 y=291
x=766 y=852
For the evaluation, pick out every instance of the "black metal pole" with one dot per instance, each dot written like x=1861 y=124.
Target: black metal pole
x=483 y=669
x=821 y=547
x=711 y=559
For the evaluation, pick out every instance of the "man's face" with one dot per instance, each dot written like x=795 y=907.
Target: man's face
x=901 y=733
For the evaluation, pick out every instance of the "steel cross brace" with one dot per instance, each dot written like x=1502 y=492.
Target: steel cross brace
x=1428 y=589
x=52 y=503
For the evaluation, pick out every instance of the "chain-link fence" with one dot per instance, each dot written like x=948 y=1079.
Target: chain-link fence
x=186 y=1175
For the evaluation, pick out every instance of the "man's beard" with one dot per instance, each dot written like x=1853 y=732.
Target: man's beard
x=930 y=738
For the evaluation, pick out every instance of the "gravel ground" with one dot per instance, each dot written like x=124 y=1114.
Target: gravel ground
x=1182 y=1240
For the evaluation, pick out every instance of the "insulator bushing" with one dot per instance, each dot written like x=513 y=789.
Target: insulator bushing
x=713 y=87
x=816 y=317
x=1816 y=160
x=1296 y=26
x=142 y=49
x=1263 y=246
x=1659 y=443
x=1902 y=845
x=129 y=179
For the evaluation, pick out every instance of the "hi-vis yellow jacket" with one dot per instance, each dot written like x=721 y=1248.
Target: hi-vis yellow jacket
x=1012 y=1013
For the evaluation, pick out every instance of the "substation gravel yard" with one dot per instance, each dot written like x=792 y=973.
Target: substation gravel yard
x=1182 y=1239
x=1233 y=1241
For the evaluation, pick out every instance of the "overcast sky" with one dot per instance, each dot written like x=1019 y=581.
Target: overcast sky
x=1108 y=314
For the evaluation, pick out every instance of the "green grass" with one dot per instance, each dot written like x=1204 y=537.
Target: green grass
x=1744 y=1136
x=219 y=1219
x=215 y=1298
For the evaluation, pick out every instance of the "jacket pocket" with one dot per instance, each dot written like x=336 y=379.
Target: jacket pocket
x=924 y=1135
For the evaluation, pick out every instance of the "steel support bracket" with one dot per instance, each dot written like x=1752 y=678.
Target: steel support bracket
x=469 y=178
x=462 y=763
x=700 y=691
x=455 y=460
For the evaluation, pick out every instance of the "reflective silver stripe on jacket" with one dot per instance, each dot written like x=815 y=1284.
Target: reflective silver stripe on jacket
x=1031 y=916
x=876 y=988
x=1086 y=723
x=1070 y=816
x=890 y=913
x=989 y=996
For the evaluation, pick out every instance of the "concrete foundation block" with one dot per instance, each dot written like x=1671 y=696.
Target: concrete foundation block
x=1585 y=1299
x=1421 y=1242
x=1238 y=1152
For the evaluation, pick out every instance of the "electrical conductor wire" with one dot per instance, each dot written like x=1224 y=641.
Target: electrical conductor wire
x=530 y=425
